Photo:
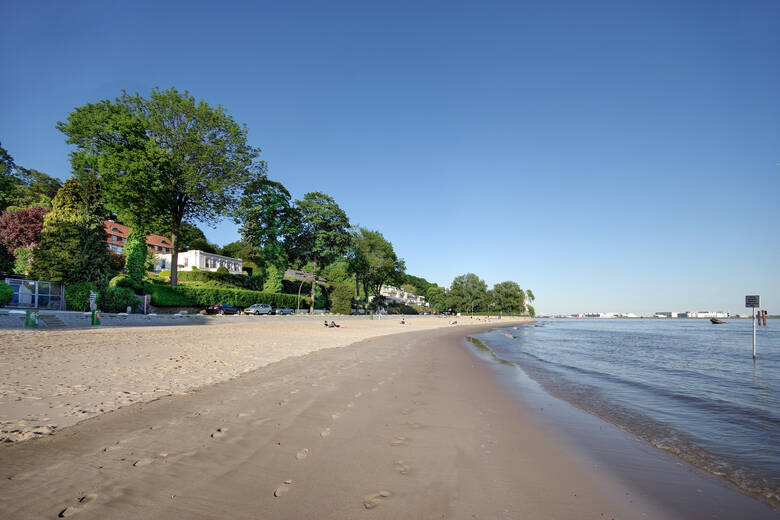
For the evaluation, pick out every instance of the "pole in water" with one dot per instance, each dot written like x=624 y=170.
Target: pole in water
x=754 y=333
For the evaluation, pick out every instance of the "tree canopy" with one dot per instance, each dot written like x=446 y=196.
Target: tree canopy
x=467 y=292
x=166 y=157
x=269 y=221
x=373 y=260
x=324 y=232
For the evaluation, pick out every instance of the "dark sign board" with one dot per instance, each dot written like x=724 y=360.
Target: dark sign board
x=753 y=301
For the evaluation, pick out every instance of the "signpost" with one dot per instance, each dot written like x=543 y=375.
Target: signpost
x=753 y=301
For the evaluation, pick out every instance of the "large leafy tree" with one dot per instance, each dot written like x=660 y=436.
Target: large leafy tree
x=436 y=297
x=374 y=261
x=73 y=245
x=22 y=188
x=508 y=297
x=9 y=182
x=324 y=232
x=166 y=157
x=269 y=221
x=467 y=292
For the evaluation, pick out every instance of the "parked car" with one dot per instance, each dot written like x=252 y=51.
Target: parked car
x=259 y=308
x=284 y=311
x=222 y=308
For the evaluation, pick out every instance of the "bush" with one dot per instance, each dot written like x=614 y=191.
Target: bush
x=124 y=280
x=167 y=272
x=191 y=295
x=341 y=298
x=222 y=270
x=135 y=255
x=117 y=299
x=6 y=293
x=77 y=296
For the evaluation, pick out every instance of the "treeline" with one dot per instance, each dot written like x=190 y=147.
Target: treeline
x=162 y=163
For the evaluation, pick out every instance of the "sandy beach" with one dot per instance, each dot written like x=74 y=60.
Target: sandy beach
x=402 y=422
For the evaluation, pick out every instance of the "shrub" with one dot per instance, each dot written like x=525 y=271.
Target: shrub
x=167 y=272
x=117 y=299
x=273 y=279
x=6 y=293
x=341 y=298
x=222 y=270
x=192 y=295
x=77 y=295
x=135 y=255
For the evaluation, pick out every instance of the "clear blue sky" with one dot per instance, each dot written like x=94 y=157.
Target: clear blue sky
x=612 y=156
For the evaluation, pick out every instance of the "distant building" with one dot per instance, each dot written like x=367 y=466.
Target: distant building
x=396 y=294
x=118 y=233
x=200 y=259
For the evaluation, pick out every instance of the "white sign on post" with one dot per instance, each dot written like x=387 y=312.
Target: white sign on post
x=753 y=301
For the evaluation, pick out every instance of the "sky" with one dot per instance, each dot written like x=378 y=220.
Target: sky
x=610 y=156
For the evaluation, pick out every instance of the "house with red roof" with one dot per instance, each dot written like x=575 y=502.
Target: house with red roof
x=118 y=233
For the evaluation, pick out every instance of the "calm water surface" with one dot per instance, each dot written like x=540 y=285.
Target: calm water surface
x=686 y=386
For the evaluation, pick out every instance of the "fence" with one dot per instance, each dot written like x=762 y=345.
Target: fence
x=33 y=294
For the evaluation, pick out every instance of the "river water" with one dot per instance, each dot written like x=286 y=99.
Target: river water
x=685 y=385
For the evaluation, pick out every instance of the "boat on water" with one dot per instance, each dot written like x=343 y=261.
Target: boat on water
x=716 y=321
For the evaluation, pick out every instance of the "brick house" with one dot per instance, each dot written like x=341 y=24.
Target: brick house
x=117 y=236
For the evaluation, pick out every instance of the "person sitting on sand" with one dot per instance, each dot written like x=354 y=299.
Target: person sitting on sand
x=403 y=321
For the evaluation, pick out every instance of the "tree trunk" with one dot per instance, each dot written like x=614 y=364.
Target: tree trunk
x=175 y=251
x=313 y=285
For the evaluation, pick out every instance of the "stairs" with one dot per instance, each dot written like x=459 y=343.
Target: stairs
x=52 y=321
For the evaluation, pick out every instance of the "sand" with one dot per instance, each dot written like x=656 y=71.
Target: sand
x=409 y=425
x=53 y=379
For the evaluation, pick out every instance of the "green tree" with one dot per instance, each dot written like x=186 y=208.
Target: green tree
x=508 y=297
x=166 y=157
x=376 y=262
x=9 y=182
x=24 y=257
x=73 y=245
x=324 y=232
x=467 y=292
x=135 y=251
x=341 y=298
x=436 y=297
x=269 y=221
x=273 y=279
x=37 y=189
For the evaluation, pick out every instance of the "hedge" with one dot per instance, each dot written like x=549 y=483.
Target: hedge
x=252 y=283
x=117 y=299
x=77 y=296
x=6 y=293
x=194 y=296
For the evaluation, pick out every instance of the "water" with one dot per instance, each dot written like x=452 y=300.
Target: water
x=686 y=386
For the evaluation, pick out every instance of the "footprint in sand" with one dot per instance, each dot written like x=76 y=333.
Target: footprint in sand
x=357 y=395
x=398 y=441
x=350 y=404
x=284 y=488
x=80 y=504
x=294 y=391
x=302 y=454
x=376 y=388
x=143 y=462
x=325 y=432
x=402 y=467
x=335 y=415
x=221 y=432
x=245 y=414
x=282 y=402
x=373 y=500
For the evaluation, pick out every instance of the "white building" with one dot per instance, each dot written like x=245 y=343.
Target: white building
x=200 y=259
x=397 y=294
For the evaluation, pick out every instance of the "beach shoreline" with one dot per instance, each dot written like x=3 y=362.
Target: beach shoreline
x=403 y=425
